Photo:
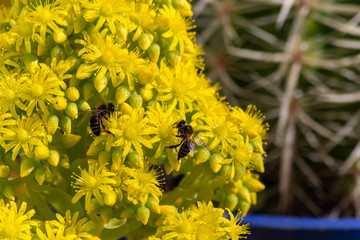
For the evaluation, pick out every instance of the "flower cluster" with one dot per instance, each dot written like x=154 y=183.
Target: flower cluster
x=91 y=93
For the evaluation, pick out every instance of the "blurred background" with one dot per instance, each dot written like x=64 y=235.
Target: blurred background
x=298 y=61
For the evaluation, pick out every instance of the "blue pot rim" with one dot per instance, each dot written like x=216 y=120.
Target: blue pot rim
x=301 y=223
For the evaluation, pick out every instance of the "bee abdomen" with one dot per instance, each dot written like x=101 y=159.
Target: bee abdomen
x=183 y=151
x=95 y=125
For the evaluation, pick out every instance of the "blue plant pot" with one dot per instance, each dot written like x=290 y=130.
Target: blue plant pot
x=266 y=227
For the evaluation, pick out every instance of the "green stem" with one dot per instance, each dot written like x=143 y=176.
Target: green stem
x=185 y=183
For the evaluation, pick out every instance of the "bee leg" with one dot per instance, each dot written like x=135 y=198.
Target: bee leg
x=175 y=146
x=180 y=136
x=106 y=130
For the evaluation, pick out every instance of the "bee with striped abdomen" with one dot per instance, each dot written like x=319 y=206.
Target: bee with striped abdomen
x=102 y=111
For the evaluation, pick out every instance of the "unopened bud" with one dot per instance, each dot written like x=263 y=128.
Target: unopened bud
x=83 y=106
x=227 y=172
x=253 y=197
x=147 y=73
x=54 y=158
x=72 y=93
x=69 y=140
x=110 y=198
x=244 y=207
x=60 y=36
x=168 y=210
x=136 y=100
x=40 y=175
x=117 y=156
x=126 y=108
x=231 y=187
x=143 y=214
x=231 y=201
x=154 y=52
x=121 y=31
x=41 y=152
x=30 y=61
x=174 y=58
x=60 y=103
x=27 y=166
x=100 y=83
x=145 y=40
x=253 y=184
x=202 y=156
x=104 y=158
x=135 y=159
x=57 y=52
x=244 y=194
x=64 y=161
x=121 y=94
x=258 y=162
x=216 y=161
x=88 y=90
x=52 y=124
x=65 y=124
x=147 y=92
x=4 y=171
x=72 y=110
x=153 y=204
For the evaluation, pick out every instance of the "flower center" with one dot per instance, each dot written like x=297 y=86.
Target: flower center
x=91 y=182
x=11 y=94
x=107 y=56
x=10 y=231
x=22 y=135
x=221 y=130
x=130 y=133
x=37 y=91
x=106 y=10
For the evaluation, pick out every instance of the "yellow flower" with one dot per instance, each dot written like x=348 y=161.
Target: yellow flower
x=132 y=130
x=54 y=233
x=163 y=120
x=233 y=228
x=179 y=226
x=93 y=182
x=15 y=223
x=26 y=133
x=176 y=28
x=142 y=182
x=24 y=30
x=143 y=17
x=45 y=15
x=40 y=88
x=10 y=92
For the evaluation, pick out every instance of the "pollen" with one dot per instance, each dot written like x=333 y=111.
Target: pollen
x=91 y=182
x=22 y=135
x=37 y=91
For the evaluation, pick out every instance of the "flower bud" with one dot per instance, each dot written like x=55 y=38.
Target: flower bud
x=174 y=58
x=110 y=198
x=69 y=140
x=88 y=90
x=143 y=214
x=74 y=62
x=128 y=212
x=168 y=210
x=30 y=61
x=253 y=184
x=145 y=41
x=244 y=193
x=147 y=73
x=60 y=36
x=64 y=161
x=227 y=172
x=135 y=159
x=41 y=152
x=4 y=171
x=79 y=25
x=231 y=201
x=216 y=161
x=54 y=158
x=104 y=95
x=231 y=187
x=27 y=166
x=147 y=92
x=52 y=124
x=84 y=71
x=121 y=94
x=244 y=207
x=40 y=174
x=60 y=103
x=136 y=100
x=100 y=83
x=126 y=108
x=184 y=7
x=253 y=197
x=83 y=106
x=104 y=158
x=153 y=204
x=57 y=52
x=65 y=124
x=258 y=162
x=154 y=52
x=137 y=34
x=72 y=110
x=8 y=192
x=72 y=93
x=117 y=156
x=121 y=31
x=202 y=156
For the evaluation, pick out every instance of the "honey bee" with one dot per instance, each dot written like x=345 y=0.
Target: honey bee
x=102 y=111
x=186 y=132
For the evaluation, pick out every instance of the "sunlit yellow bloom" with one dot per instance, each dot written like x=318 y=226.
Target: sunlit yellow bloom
x=25 y=134
x=15 y=223
x=143 y=17
x=54 y=233
x=242 y=154
x=233 y=227
x=10 y=92
x=176 y=27
x=41 y=88
x=143 y=181
x=95 y=181
x=163 y=120
x=44 y=15
x=8 y=58
x=24 y=30
x=132 y=131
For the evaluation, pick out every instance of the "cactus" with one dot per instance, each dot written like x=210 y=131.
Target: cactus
x=298 y=62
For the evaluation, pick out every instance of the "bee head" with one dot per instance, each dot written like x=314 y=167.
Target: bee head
x=180 y=124
x=111 y=107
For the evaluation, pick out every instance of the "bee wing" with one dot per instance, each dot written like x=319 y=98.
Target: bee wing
x=191 y=146
x=198 y=140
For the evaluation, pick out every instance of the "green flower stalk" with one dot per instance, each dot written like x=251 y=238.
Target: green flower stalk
x=91 y=93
